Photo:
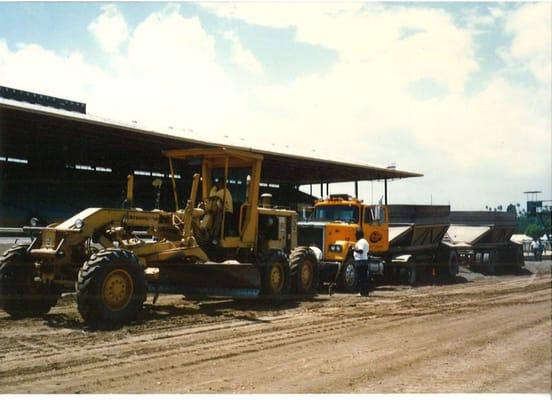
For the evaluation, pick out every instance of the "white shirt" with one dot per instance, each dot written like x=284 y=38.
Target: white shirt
x=220 y=194
x=362 y=244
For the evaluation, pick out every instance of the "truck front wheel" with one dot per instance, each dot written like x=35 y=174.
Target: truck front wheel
x=348 y=278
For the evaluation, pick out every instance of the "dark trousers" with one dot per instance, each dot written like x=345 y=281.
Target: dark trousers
x=361 y=268
x=229 y=224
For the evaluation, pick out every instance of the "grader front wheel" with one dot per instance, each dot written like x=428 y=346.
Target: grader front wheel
x=111 y=287
x=20 y=295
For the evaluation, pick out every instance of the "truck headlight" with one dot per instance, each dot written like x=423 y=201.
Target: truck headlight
x=336 y=248
x=79 y=223
x=34 y=221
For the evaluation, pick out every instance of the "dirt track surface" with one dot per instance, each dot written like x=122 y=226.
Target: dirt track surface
x=481 y=334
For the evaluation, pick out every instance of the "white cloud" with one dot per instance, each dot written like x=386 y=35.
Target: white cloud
x=242 y=56
x=31 y=67
x=473 y=149
x=361 y=108
x=531 y=26
x=169 y=77
x=371 y=35
x=109 y=29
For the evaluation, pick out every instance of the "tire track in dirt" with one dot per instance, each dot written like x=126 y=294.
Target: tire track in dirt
x=148 y=338
x=49 y=362
x=257 y=338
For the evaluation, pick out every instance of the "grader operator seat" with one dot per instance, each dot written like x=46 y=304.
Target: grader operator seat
x=239 y=228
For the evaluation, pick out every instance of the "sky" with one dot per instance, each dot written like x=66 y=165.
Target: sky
x=460 y=92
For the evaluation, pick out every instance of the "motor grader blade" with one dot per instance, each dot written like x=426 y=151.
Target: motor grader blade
x=238 y=280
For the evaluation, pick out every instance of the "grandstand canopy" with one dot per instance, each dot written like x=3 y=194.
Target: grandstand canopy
x=37 y=132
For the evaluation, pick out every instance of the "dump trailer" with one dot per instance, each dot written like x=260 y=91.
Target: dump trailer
x=416 y=244
x=403 y=240
x=483 y=240
x=196 y=250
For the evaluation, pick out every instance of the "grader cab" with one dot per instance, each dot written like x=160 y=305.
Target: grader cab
x=196 y=250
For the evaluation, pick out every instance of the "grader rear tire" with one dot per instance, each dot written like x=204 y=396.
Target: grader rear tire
x=304 y=271
x=111 y=287
x=20 y=295
x=275 y=276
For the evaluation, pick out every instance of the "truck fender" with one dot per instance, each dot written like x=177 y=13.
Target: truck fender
x=317 y=252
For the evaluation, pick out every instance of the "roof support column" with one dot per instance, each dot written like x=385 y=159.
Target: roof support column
x=328 y=189
x=385 y=190
x=321 y=189
x=356 y=189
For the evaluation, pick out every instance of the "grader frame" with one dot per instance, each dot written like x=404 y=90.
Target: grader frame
x=113 y=269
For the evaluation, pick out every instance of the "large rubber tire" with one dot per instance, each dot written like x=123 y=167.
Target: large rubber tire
x=304 y=271
x=347 y=281
x=452 y=266
x=275 y=276
x=111 y=287
x=411 y=274
x=490 y=268
x=20 y=295
x=519 y=259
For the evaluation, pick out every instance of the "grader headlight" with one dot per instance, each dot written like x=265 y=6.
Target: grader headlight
x=79 y=224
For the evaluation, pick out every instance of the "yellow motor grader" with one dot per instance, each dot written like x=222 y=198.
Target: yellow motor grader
x=189 y=251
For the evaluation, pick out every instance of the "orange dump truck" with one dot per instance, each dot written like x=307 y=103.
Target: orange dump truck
x=405 y=240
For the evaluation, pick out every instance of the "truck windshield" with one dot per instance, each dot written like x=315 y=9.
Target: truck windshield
x=342 y=213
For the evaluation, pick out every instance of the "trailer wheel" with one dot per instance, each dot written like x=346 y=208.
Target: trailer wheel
x=452 y=267
x=348 y=279
x=518 y=251
x=411 y=275
x=275 y=276
x=490 y=268
x=20 y=295
x=111 y=287
x=304 y=271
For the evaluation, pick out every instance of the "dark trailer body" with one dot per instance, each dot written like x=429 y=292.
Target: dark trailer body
x=416 y=235
x=483 y=240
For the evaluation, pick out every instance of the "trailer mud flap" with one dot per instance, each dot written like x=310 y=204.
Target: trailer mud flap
x=328 y=271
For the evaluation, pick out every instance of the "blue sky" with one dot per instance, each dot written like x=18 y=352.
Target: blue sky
x=457 y=91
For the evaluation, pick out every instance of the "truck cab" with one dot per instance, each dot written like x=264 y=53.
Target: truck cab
x=331 y=228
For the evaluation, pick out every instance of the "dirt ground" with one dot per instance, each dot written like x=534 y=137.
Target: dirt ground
x=479 y=334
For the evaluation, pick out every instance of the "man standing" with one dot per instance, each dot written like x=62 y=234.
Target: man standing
x=224 y=195
x=541 y=249
x=535 y=249
x=360 y=253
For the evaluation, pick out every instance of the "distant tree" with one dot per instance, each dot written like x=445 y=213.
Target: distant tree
x=535 y=231
x=511 y=209
x=499 y=208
